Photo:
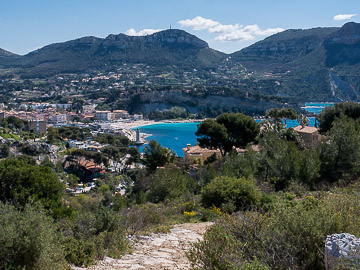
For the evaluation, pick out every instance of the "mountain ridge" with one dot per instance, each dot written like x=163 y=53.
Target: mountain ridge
x=168 y=47
x=319 y=63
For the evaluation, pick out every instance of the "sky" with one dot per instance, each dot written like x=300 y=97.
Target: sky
x=227 y=25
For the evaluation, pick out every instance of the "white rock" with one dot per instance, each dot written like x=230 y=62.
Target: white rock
x=342 y=248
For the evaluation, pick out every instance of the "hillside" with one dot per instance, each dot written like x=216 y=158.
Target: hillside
x=318 y=64
x=4 y=53
x=165 y=48
x=284 y=47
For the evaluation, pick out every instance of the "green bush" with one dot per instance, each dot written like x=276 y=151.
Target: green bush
x=92 y=235
x=21 y=183
x=141 y=218
x=242 y=192
x=28 y=239
x=168 y=184
x=291 y=237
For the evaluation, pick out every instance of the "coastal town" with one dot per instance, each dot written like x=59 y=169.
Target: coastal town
x=179 y=135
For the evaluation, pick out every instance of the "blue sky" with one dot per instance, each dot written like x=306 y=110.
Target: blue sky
x=227 y=25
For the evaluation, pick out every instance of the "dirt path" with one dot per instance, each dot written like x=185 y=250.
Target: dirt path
x=159 y=251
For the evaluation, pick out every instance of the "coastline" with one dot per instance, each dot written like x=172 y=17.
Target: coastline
x=143 y=123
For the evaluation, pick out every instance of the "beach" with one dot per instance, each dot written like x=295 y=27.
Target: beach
x=142 y=123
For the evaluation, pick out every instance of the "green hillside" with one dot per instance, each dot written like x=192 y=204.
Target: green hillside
x=166 y=48
x=315 y=64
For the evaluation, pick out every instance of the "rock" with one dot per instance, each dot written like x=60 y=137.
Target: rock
x=342 y=248
x=158 y=251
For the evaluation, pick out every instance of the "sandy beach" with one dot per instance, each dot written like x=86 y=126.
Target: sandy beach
x=141 y=123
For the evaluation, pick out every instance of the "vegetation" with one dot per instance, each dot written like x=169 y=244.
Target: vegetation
x=227 y=131
x=22 y=183
x=272 y=204
x=28 y=239
x=231 y=194
x=73 y=133
x=157 y=156
x=291 y=237
x=328 y=116
x=282 y=114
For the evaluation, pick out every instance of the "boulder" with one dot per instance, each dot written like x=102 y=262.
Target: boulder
x=343 y=249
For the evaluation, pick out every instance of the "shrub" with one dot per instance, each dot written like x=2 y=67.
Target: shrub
x=21 y=183
x=28 y=239
x=241 y=192
x=141 y=218
x=292 y=237
x=92 y=235
x=168 y=184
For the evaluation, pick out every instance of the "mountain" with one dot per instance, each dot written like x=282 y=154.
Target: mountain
x=283 y=48
x=343 y=46
x=165 y=48
x=4 y=53
x=6 y=56
x=314 y=64
x=319 y=64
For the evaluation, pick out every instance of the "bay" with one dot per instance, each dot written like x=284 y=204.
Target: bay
x=177 y=135
x=171 y=135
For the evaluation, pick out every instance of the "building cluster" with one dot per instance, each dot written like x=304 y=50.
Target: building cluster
x=116 y=115
x=41 y=115
x=88 y=145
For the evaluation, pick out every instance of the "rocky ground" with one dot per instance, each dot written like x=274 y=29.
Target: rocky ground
x=159 y=251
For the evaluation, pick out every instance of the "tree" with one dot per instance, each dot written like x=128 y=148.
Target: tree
x=15 y=122
x=304 y=121
x=52 y=135
x=77 y=105
x=328 y=116
x=135 y=156
x=22 y=183
x=309 y=170
x=282 y=114
x=227 y=131
x=278 y=160
x=4 y=151
x=340 y=152
x=167 y=184
x=213 y=135
x=240 y=192
x=157 y=156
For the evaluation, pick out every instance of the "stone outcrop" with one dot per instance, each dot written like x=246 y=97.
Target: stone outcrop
x=342 y=249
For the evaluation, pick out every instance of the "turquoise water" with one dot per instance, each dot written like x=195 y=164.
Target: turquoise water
x=176 y=135
x=316 y=107
x=172 y=135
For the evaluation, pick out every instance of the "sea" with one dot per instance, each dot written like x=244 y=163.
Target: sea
x=177 y=135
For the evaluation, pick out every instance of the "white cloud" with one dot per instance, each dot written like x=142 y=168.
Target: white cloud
x=198 y=23
x=238 y=35
x=228 y=32
x=144 y=32
x=341 y=17
x=224 y=28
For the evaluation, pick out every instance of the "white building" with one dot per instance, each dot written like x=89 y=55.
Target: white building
x=138 y=117
x=120 y=114
x=58 y=119
x=76 y=144
x=103 y=115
